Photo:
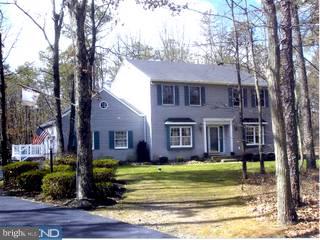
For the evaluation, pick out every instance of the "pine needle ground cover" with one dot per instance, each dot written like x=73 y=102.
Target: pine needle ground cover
x=202 y=200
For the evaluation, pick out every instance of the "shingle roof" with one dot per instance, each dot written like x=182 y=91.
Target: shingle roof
x=164 y=71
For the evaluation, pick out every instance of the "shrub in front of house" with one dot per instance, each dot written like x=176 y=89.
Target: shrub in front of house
x=195 y=158
x=143 y=152
x=180 y=159
x=66 y=159
x=62 y=168
x=106 y=163
x=59 y=185
x=32 y=180
x=103 y=174
x=104 y=190
x=163 y=160
x=13 y=170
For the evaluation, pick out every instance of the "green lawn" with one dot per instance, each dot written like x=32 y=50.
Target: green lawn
x=190 y=201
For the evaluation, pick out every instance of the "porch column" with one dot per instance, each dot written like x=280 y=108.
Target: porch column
x=205 y=136
x=231 y=136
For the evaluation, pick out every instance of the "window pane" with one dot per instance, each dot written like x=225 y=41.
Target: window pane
x=236 y=101
x=186 y=141
x=174 y=136
x=195 y=95
x=186 y=132
x=186 y=136
x=262 y=98
x=175 y=132
x=167 y=95
x=120 y=139
x=249 y=135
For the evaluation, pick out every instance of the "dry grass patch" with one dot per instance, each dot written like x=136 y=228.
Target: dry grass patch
x=190 y=201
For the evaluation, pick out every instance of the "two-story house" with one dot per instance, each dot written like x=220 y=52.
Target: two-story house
x=179 y=109
x=192 y=109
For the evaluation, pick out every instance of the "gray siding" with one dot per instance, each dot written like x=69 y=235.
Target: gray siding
x=216 y=107
x=117 y=117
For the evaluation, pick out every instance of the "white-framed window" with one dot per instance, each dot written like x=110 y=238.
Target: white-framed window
x=194 y=96
x=252 y=134
x=104 y=105
x=120 y=139
x=180 y=137
x=263 y=96
x=168 y=95
x=235 y=97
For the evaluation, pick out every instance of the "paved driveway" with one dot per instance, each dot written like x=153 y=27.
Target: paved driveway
x=75 y=223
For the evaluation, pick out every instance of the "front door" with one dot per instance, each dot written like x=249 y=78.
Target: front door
x=215 y=139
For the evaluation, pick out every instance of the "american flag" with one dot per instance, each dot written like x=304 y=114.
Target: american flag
x=40 y=135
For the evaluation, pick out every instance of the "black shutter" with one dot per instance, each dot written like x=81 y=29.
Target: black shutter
x=111 y=139
x=159 y=94
x=203 y=96
x=266 y=97
x=245 y=97
x=230 y=97
x=186 y=95
x=253 y=99
x=130 y=139
x=176 y=95
x=96 y=138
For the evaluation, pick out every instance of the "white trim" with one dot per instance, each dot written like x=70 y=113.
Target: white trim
x=121 y=101
x=92 y=147
x=263 y=83
x=254 y=123
x=223 y=140
x=231 y=135
x=127 y=140
x=221 y=122
x=205 y=136
x=254 y=143
x=180 y=137
x=223 y=137
x=103 y=101
x=180 y=123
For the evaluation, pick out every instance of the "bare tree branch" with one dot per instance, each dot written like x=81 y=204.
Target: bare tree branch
x=42 y=29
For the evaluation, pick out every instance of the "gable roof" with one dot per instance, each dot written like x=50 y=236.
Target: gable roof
x=179 y=72
x=51 y=121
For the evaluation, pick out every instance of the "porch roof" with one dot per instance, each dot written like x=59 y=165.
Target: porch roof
x=187 y=121
x=253 y=120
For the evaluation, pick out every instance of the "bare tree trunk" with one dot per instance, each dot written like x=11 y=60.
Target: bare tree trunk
x=72 y=135
x=4 y=143
x=85 y=185
x=288 y=99
x=242 y=133
x=308 y=143
x=285 y=207
x=57 y=19
x=92 y=50
x=257 y=88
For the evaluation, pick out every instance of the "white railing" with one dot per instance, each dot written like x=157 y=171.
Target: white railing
x=23 y=152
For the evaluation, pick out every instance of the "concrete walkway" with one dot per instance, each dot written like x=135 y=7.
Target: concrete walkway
x=75 y=223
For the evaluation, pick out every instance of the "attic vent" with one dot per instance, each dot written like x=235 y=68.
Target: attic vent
x=104 y=105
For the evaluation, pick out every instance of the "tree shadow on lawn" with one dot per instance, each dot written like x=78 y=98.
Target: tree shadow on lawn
x=184 y=208
x=220 y=177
